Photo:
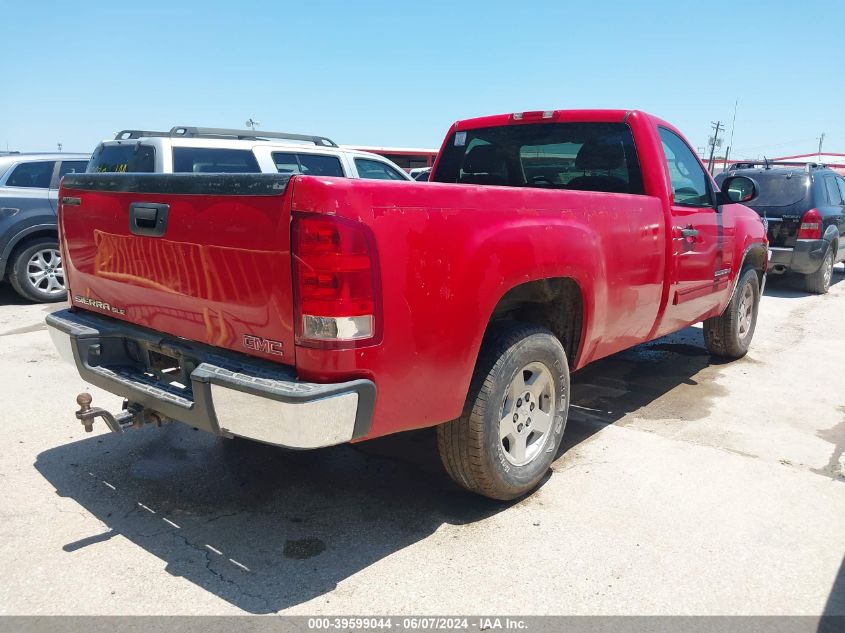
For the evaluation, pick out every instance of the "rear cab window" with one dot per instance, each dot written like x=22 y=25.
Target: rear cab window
x=576 y=156
x=307 y=164
x=212 y=160
x=123 y=158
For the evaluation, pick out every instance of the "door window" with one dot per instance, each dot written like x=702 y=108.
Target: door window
x=72 y=167
x=307 y=164
x=35 y=175
x=214 y=160
x=833 y=194
x=841 y=184
x=376 y=170
x=689 y=180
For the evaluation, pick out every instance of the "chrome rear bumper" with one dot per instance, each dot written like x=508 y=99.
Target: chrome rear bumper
x=214 y=390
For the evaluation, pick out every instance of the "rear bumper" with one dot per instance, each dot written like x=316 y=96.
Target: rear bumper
x=224 y=393
x=804 y=258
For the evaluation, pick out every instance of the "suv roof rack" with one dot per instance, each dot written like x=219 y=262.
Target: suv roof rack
x=750 y=164
x=251 y=135
x=185 y=131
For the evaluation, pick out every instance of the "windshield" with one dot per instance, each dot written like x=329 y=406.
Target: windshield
x=778 y=188
x=580 y=156
x=124 y=158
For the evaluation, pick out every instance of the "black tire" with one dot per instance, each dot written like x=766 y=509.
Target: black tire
x=729 y=335
x=819 y=282
x=19 y=273
x=471 y=447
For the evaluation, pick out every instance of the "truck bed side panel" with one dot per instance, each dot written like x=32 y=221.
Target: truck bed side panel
x=450 y=252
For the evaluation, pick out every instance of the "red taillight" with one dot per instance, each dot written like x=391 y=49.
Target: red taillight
x=335 y=277
x=811 y=225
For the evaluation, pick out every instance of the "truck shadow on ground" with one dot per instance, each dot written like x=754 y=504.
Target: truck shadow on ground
x=265 y=529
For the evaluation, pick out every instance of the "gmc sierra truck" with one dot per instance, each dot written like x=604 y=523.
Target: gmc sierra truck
x=306 y=311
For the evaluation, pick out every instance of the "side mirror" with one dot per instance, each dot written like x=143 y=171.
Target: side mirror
x=738 y=189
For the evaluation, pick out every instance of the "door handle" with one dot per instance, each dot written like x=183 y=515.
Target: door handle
x=689 y=232
x=147 y=218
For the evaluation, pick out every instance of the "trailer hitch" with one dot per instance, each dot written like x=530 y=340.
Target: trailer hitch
x=132 y=415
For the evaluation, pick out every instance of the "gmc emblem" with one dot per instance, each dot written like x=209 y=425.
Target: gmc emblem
x=266 y=345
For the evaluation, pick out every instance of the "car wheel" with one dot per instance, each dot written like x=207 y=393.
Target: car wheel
x=37 y=272
x=819 y=281
x=729 y=334
x=514 y=416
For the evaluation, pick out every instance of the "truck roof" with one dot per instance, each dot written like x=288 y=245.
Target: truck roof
x=537 y=116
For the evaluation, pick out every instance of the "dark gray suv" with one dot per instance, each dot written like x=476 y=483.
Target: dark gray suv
x=29 y=237
x=804 y=209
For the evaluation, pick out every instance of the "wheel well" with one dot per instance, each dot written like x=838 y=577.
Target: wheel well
x=756 y=259
x=556 y=304
x=29 y=237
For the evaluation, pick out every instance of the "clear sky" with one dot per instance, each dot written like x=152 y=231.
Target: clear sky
x=398 y=73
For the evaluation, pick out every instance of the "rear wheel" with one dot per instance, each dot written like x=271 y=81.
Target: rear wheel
x=819 y=281
x=729 y=334
x=514 y=416
x=37 y=272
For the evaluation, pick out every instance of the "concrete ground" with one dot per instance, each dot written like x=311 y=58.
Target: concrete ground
x=685 y=486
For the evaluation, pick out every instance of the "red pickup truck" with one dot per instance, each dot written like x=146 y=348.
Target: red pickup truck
x=309 y=311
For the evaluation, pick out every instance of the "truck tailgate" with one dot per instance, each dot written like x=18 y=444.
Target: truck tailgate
x=202 y=257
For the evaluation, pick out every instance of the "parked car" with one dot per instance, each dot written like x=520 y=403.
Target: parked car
x=216 y=150
x=306 y=311
x=29 y=242
x=804 y=208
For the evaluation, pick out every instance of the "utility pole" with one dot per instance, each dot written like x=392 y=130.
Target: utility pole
x=714 y=142
x=821 y=140
x=731 y=142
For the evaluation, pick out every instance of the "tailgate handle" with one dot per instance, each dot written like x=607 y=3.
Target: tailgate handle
x=148 y=218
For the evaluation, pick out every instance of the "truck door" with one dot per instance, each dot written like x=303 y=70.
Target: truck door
x=696 y=236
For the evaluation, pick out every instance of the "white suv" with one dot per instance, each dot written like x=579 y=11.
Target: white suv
x=217 y=150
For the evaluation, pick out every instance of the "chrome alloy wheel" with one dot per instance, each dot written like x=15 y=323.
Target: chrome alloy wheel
x=45 y=273
x=827 y=271
x=746 y=310
x=527 y=414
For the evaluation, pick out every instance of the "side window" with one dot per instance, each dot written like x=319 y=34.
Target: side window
x=36 y=175
x=376 y=170
x=213 y=160
x=286 y=163
x=72 y=167
x=689 y=180
x=833 y=194
x=307 y=164
x=841 y=183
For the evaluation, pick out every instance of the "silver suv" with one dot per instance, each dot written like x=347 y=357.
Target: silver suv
x=218 y=150
x=29 y=237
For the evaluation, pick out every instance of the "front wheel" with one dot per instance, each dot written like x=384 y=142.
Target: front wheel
x=514 y=416
x=729 y=334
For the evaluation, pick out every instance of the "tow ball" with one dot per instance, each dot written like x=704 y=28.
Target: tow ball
x=133 y=415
